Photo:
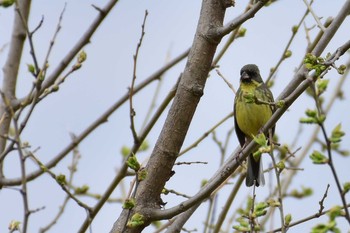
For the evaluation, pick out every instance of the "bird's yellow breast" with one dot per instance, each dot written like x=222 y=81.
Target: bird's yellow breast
x=251 y=116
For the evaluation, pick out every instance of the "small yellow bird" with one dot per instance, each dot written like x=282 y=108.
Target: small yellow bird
x=250 y=116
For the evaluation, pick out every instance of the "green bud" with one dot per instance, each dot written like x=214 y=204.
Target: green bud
x=305 y=192
x=341 y=69
x=14 y=226
x=320 y=228
x=241 y=228
x=31 y=68
x=81 y=190
x=133 y=163
x=334 y=212
x=125 y=151
x=142 y=174
x=144 y=146
x=346 y=187
x=204 y=182
x=243 y=222
x=82 y=57
x=55 y=88
x=136 y=221
x=165 y=191
x=318 y=158
x=241 y=32
x=61 y=179
x=311 y=113
x=321 y=118
x=295 y=29
x=310 y=60
x=129 y=203
x=41 y=77
x=260 y=213
x=281 y=165
x=321 y=85
x=261 y=206
x=337 y=134
x=260 y=139
x=257 y=228
x=344 y=152
x=287 y=219
x=273 y=203
x=307 y=120
x=76 y=66
x=287 y=54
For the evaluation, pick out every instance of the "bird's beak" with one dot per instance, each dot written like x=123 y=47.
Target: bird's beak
x=245 y=77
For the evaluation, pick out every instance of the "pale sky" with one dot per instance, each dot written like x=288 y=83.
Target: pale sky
x=106 y=75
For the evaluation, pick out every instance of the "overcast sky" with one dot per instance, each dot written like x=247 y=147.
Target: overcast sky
x=106 y=75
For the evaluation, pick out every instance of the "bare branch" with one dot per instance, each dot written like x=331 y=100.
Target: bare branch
x=11 y=71
x=131 y=90
x=122 y=170
x=240 y=155
x=340 y=51
x=225 y=80
x=220 y=32
x=99 y=121
x=85 y=39
x=317 y=19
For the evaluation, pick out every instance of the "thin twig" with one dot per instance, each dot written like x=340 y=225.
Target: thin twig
x=30 y=38
x=99 y=121
x=306 y=219
x=279 y=186
x=85 y=39
x=234 y=24
x=283 y=57
x=329 y=152
x=206 y=134
x=60 y=183
x=322 y=200
x=131 y=90
x=227 y=82
x=317 y=19
x=228 y=203
x=72 y=170
x=123 y=169
x=24 y=190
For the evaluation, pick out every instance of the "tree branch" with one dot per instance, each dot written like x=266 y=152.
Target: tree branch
x=170 y=140
x=222 y=31
x=84 y=40
x=11 y=71
x=239 y=155
x=99 y=121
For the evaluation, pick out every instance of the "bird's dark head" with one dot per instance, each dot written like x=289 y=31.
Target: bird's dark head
x=250 y=73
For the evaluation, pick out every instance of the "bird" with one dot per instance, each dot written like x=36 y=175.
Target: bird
x=250 y=116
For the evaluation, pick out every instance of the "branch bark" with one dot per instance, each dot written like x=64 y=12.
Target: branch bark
x=293 y=90
x=189 y=92
x=11 y=71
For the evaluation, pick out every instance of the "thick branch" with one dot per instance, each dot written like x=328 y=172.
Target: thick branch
x=289 y=95
x=188 y=94
x=11 y=70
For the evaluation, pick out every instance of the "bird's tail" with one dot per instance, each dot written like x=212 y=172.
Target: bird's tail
x=254 y=172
